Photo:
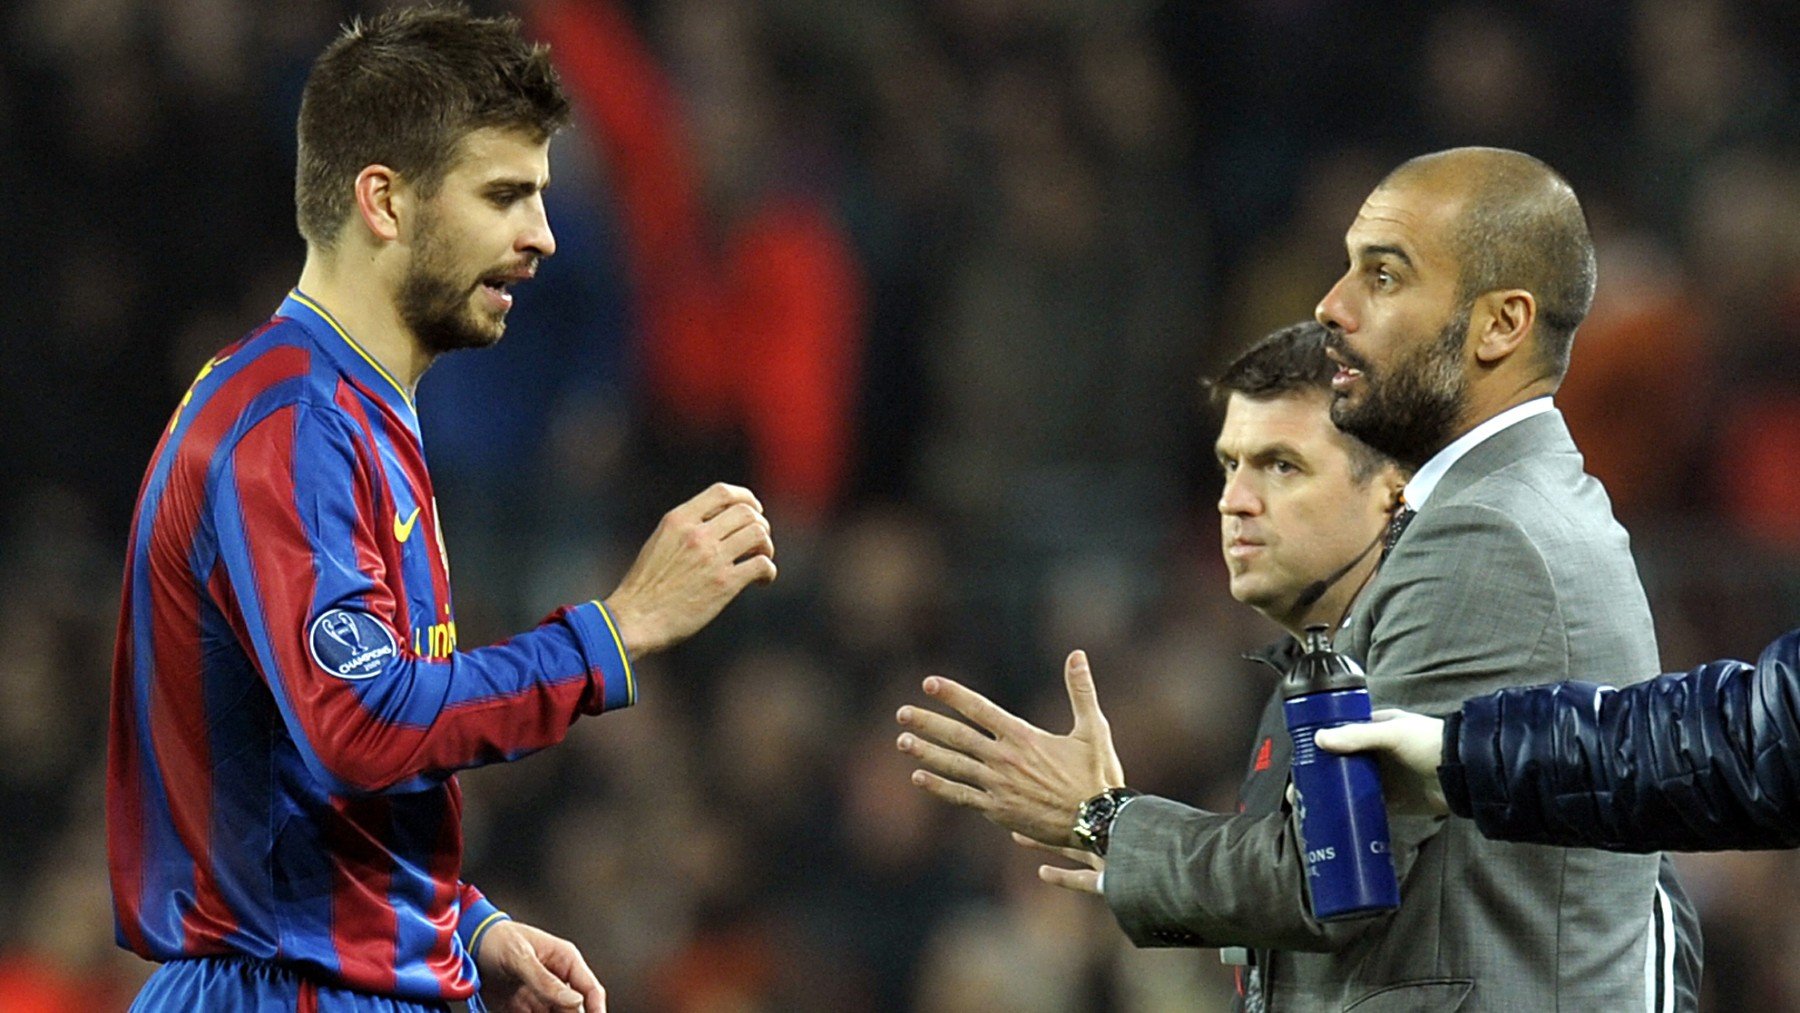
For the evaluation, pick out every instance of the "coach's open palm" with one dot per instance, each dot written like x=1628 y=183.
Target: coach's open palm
x=703 y=553
x=1023 y=778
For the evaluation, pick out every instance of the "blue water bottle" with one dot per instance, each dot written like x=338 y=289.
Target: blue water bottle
x=1343 y=820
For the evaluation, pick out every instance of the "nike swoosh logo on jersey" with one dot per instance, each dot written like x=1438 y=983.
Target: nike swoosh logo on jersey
x=403 y=529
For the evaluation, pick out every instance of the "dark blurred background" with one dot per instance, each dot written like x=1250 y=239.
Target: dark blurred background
x=936 y=278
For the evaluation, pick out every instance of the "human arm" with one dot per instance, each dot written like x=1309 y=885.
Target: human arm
x=1697 y=761
x=527 y=970
x=1187 y=876
x=524 y=969
x=1179 y=875
x=1023 y=778
x=1700 y=761
x=305 y=567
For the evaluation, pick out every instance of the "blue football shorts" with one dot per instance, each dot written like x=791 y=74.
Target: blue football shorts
x=257 y=986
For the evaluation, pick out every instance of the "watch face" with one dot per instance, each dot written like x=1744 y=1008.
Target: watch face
x=1094 y=819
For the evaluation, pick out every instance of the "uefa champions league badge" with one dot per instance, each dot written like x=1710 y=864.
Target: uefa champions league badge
x=350 y=644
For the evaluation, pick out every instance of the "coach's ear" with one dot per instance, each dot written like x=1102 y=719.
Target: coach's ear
x=381 y=201
x=1393 y=481
x=1501 y=321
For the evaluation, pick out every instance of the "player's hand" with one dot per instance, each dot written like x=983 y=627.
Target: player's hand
x=1079 y=880
x=699 y=557
x=528 y=970
x=1024 y=778
x=1409 y=746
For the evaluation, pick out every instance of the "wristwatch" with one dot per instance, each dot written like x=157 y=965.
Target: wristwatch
x=1094 y=820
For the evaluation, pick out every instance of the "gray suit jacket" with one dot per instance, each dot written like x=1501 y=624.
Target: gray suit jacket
x=1514 y=572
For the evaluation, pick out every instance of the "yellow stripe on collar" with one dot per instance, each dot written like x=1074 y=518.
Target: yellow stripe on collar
x=324 y=314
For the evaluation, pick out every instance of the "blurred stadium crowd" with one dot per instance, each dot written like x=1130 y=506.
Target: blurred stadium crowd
x=935 y=277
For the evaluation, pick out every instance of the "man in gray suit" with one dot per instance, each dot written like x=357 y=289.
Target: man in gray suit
x=1469 y=271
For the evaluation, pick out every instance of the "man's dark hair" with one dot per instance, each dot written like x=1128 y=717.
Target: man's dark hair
x=402 y=90
x=1285 y=363
x=1522 y=227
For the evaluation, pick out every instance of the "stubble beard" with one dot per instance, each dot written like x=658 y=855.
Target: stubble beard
x=436 y=306
x=1411 y=412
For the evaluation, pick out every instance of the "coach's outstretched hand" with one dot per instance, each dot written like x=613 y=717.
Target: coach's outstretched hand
x=528 y=970
x=1409 y=748
x=1024 y=778
x=703 y=553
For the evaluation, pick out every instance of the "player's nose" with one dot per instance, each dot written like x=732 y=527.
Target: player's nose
x=537 y=237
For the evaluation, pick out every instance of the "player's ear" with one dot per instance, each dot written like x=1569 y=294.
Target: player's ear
x=380 y=201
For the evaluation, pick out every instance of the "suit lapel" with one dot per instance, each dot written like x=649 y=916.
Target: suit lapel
x=1538 y=435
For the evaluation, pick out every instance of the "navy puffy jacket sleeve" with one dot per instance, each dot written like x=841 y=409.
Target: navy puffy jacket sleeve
x=1706 y=760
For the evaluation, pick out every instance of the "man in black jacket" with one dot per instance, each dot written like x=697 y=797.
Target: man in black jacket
x=1706 y=760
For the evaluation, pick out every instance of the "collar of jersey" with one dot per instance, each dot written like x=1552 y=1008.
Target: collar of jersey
x=349 y=356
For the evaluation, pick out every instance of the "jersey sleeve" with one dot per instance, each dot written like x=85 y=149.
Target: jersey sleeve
x=294 y=506
x=478 y=915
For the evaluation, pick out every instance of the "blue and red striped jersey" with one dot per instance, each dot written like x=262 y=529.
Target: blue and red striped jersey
x=289 y=703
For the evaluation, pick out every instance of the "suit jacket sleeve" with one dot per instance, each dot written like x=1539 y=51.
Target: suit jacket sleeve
x=1698 y=761
x=1455 y=612
x=1181 y=876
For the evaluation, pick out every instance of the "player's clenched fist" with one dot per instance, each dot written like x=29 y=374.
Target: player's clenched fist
x=703 y=553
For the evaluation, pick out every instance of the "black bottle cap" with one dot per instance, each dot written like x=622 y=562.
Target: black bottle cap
x=1321 y=669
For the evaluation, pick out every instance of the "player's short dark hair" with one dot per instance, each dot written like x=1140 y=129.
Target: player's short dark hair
x=1522 y=227
x=1286 y=363
x=403 y=89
